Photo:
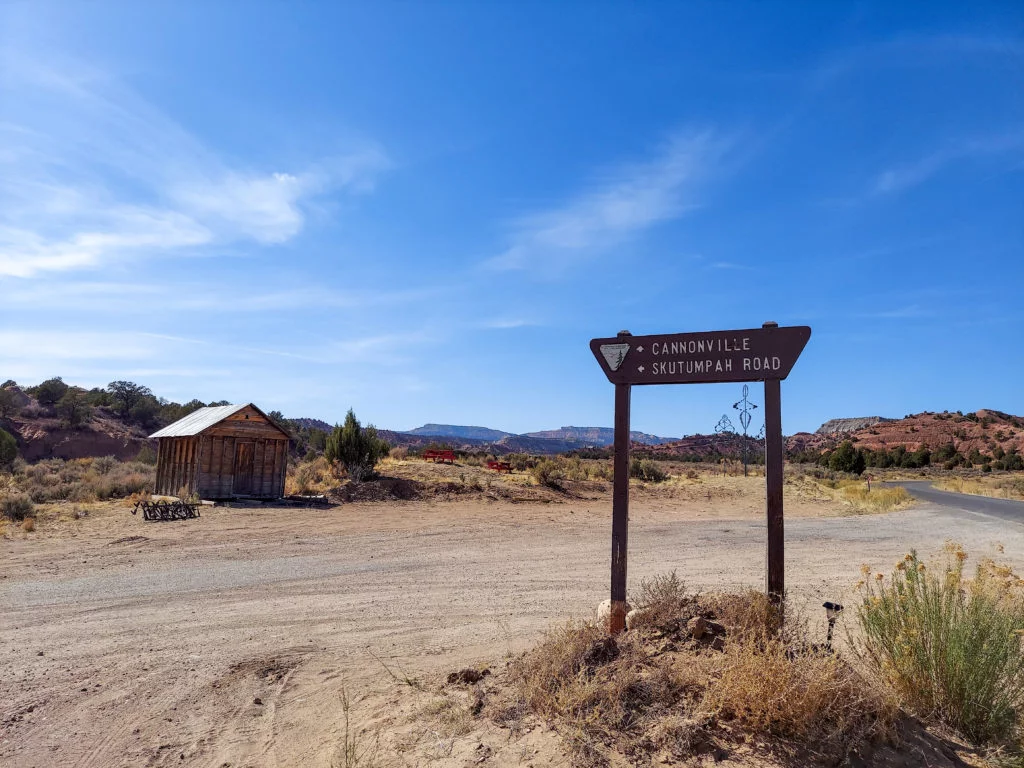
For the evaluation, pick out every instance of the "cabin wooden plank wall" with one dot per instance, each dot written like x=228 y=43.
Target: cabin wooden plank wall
x=177 y=464
x=242 y=455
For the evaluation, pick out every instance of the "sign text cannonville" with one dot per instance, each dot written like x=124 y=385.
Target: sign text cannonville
x=756 y=354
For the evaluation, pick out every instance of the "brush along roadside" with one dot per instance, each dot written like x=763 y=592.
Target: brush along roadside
x=856 y=495
x=948 y=643
x=1009 y=486
x=695 y=675
x=696 y=679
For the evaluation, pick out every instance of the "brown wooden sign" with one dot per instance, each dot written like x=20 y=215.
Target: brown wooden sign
x=759 y=354
x=756 y=354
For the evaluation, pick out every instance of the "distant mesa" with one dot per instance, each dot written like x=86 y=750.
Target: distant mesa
x=834 y=426
x=598 y=436
x=459 y=432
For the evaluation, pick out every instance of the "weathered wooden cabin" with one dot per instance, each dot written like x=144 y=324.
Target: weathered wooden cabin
x=222 y=452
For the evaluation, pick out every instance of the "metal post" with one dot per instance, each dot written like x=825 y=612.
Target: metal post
x=620 y=508
x=776 y=570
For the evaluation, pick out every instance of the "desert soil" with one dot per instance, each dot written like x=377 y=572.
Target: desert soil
x=228 y=640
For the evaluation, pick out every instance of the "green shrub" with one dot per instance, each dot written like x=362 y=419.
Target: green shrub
x=17 y=507
x=949 y=647
x=647 y=470
x=8 y=407
x=8 y=448
x=520 y=462
x=548 y=472
x=104 y=464
x=83 y=480
x=846 y=458
x=356 y=449
x=146 y=455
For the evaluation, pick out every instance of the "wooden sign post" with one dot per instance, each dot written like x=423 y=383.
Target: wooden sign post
x=759 y=354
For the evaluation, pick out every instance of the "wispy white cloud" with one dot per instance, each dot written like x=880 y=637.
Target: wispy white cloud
x=907 y=312
x=902 y=177
x=508 y=323
x=95 y=357
x=59 y=346
x=912 y=50
x=618 y=204
x=90 y=172
x=126 y=298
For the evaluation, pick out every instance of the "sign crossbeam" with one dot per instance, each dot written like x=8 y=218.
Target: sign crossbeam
x=758 y=354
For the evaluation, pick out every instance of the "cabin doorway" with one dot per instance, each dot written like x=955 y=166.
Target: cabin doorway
x=244 y=455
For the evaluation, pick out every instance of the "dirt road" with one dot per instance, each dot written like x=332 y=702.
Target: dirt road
x=226 y=641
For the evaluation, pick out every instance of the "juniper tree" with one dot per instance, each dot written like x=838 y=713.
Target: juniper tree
x=73 y=409
x=356 y=449
x=8 y=448
x=8 y=406
x=846 y=458
x=51 y=390
x=128 y=395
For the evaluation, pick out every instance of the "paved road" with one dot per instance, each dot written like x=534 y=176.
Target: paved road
x=1004 y=509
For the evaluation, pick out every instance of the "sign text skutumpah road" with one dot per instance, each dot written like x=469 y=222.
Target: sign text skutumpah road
x=755 y=354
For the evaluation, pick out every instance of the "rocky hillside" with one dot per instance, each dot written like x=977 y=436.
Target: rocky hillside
x=985 y=430
x=42 y=434
x=707 y=446
x=834 y=426
x=312 y=424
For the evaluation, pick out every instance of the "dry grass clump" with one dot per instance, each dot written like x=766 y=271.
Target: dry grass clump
x=855 y=491
x=995 y=487
x=663 y=602
x=948 y=645
x=877 y=499
x=698 y=675
x=310 y=477
x=83 y=480
x=814 y=697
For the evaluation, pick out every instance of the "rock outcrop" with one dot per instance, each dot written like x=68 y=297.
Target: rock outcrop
x=834 y=426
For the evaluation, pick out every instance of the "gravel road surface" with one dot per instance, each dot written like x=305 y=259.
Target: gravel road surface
x=226 y=640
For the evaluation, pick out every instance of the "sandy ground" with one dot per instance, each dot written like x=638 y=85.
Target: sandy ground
x=228 y=640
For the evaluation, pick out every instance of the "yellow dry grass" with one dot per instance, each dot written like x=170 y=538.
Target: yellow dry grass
x=657 y=688
x=854 y=494
x=1006 y=487
x=310 y=477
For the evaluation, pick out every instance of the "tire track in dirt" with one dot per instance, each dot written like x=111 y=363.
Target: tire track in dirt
x=430 y=603
x=232 y=718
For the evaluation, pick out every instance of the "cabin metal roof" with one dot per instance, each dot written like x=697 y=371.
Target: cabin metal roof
x=199 y=420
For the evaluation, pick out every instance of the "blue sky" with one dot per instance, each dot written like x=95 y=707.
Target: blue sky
x=426 y=211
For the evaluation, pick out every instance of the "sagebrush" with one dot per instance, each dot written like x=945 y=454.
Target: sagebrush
x=82 y=480
x=949 y=646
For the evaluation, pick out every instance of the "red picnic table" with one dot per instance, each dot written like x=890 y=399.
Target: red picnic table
x=439 y=456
